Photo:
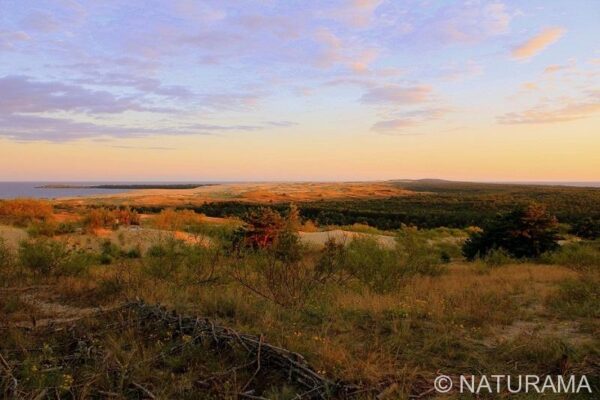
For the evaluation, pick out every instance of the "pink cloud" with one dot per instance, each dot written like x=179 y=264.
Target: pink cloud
x=550 y=69
x=393 y=125
x=539 y=115
x=537 y=43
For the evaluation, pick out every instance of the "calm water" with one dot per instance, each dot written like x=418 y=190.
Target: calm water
x=9 y=190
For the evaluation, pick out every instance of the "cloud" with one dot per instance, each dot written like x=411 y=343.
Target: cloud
x=409 y=119
x=363 y=60
x=530 y=86
x=8 y=39
x=59 y=130
x=545 y=115
x=142 y=147
x=229 y=101
x=550 y=69
x=465 y=22
x=330 y=48
x=52 y=111
x=284 y=124
x=141 y=83
x=41 y=21
x=537 y=43
x=396 y=94
x=460 y=71
x=356 y=13
x=21 y=94
x=393 y=125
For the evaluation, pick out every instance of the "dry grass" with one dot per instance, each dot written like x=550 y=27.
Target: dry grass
x=251 y=192
x=470 y=319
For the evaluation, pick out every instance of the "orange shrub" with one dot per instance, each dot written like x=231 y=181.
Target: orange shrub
x=104 y=218
x=170 y=219
x=25 y=211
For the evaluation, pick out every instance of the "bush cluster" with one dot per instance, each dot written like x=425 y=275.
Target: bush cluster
x=526 y=232
x=47 y=257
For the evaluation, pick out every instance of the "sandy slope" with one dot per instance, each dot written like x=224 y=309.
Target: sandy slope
x=252 y=192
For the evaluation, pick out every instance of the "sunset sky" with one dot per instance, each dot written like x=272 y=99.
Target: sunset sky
x=299 y=90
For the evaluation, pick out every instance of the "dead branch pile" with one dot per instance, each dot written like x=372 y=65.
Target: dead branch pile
x=291 y=364
x=265 y=359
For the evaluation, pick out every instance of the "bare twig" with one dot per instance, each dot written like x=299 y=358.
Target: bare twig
x=143 y=389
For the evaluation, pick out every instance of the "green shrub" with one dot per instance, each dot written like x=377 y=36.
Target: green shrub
x=64 y=228
x=577 y=297
x=580 y=256
x=588 y=228
x=77 y=263
x=105 y=259
x=43 y=256
x=445 y=257
x=415 y=254
x=331 y=260
x=200 y=262
x=287 y=247
x=6 y=256
x=42 y=228
x=287 y=284
x=108 y=287
x=164 y=259
x=524 y=233
x=498 y=258
x=134 y=252
x=383 y=269
x=372 y=264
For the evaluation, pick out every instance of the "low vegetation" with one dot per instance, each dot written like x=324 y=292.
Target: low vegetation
x=365 y=315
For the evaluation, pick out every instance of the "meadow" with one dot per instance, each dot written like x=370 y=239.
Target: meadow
x=270 y=303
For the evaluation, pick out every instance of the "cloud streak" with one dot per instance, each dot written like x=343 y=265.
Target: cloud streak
x=22 y=94
x=538 y=43
x=26 y=128
x=396 y=94
x=574 y=110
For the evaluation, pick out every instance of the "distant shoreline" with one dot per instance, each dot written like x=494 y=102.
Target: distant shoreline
x=124 y=186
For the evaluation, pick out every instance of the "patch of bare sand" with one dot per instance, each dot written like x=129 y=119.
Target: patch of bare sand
x=48 y=312
x=318 y=239
x=567 y=331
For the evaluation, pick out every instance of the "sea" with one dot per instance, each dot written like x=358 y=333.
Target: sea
x=11 y=190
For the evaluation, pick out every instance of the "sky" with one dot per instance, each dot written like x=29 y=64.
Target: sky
x=187 y=90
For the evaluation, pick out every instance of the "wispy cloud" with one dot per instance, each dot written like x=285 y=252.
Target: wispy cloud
x=9 y=39
x=355 y=13
x=28 y=128
x=41 y=21
x=142 y=147
x=403 y=121
x=141 y=83
x=396 y=94
x=394 y=125
x=538 y=43
x=550 y=69
x=22 y=94
x=465 y=22
x=573 y=110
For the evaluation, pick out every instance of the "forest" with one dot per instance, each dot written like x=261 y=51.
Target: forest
x=434 y=204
